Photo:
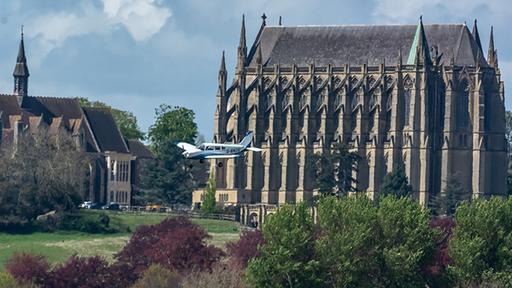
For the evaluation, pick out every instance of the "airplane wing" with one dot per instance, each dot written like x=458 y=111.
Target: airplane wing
x=186 y=146
x=226 y=156
x=254 y=149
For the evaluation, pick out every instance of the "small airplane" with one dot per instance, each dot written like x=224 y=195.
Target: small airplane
x=218 y=151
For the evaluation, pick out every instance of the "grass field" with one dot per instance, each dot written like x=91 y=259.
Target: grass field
x=58 y=246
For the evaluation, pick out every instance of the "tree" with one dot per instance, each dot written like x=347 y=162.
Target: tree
x=408 y=242
x=481 y=246
x=172 y=177
x=348 y=245
x=288 y=257
x=28 y=268
x=332 y=172
x=126 y=121
x=82 y=272
x=396 y=183
x=208 y=206
x=175 y=243
x=452 y=195
x=45 y=171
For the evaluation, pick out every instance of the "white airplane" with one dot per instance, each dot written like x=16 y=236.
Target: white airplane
x=218 y=151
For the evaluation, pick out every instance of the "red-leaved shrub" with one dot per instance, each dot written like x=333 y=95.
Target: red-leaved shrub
x=28 y=268
x=441 y=258
x=82 y=272
x=176 y=244
x=246 y=248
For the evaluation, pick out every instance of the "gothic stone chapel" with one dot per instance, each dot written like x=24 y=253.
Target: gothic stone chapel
x=422 y=98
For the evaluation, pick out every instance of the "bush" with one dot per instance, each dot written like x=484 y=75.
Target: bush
x=157 y=276
x=245 y=249
x=28 y=268
x=436 y=270
x=6 y=280
x=82 y=272
x=85 y=222
x=221 y=276
x=175 y=243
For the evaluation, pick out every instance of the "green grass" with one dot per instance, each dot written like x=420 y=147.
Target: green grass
x=58 y=246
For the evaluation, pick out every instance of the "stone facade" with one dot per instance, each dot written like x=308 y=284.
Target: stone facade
x=418 y=97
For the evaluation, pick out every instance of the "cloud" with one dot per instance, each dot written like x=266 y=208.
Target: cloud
x=141 y=18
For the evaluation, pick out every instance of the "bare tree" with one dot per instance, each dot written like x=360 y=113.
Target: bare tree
x=40 y=172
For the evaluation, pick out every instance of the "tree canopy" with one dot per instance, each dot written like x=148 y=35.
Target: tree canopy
x=396 y=183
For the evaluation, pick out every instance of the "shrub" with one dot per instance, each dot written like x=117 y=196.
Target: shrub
x=88 y=223
x=28 y=268
x=157 y=276
x=221 y=276
x=82 y=272
x=176 y=244
x=6 y=280
x=246 y=248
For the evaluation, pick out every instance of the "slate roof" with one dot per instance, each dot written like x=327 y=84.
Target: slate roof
x=105 y=130
x=8 y=106
x=138 y=149
x=51 y=107
x=361 y=44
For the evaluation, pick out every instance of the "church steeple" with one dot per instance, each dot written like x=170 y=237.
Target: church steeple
x=242 y=48
x=21 y=73
x=492 y=54
x=419 y=53
x=476 y=36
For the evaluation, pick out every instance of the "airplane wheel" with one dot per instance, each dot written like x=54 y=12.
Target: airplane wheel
x=201 y=161
x=220 y=164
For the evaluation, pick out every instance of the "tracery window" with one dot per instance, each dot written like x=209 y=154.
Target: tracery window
x=462 y=115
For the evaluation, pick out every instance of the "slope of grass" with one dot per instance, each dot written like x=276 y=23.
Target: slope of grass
x=58 y=246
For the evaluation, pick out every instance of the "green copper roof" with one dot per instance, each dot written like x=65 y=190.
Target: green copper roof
x=414 y=47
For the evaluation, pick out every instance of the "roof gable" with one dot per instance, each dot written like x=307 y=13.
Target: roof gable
x=105 y=130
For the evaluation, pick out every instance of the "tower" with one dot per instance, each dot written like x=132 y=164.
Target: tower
x=21 y=73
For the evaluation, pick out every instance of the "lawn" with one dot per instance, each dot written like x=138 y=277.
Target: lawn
x=58 y=246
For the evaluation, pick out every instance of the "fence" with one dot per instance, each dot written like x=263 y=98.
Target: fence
x=186 y=213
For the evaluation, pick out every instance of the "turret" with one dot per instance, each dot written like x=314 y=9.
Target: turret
x=223 y=75
x=476 y=36
x=21 y=73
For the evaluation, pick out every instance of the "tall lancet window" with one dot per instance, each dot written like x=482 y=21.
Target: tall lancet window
x=407 y=101
x=462 y=115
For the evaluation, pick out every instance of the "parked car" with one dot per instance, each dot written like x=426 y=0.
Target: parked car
x=111 y=206
x=89 y=205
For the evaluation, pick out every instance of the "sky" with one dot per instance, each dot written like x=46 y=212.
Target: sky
x=138 y=54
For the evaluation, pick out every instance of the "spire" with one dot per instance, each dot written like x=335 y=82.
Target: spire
x=476 y=36
x=492 y=54
x=21 y=73
x=222 y=75
x=264 y=18
x=419 y=47
x=242 y=47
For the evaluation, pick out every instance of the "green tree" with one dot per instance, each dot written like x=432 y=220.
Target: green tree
x=332 y=172
x=208 y=206
x=481 y=247
x=348 y=245
x=126 y=121
x=453 y=193
x=171 y=178
x=408 y=242
x=396 y=183
x=172 y=124
x=288 y=258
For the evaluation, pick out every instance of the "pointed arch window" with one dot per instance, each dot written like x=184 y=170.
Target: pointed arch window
x=462 y=115
x=407 y=101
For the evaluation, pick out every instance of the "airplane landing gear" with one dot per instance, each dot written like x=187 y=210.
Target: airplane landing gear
x=201 y=161
x=220 y=164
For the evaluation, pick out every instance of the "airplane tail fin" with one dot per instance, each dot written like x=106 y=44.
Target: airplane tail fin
x=247 y=139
